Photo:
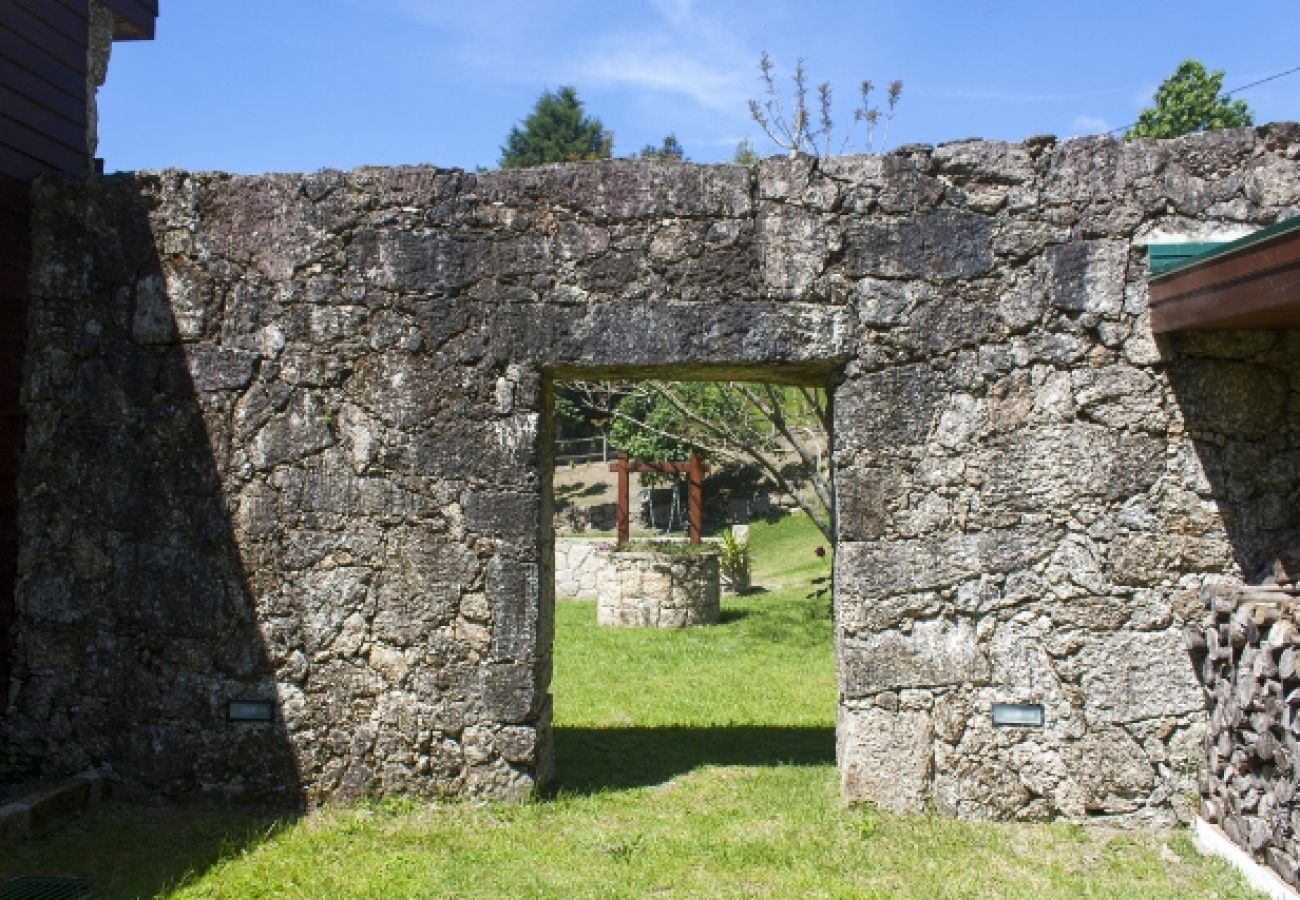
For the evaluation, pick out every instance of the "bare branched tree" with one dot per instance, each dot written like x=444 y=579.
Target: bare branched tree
x=697 y=424
x=796 y=130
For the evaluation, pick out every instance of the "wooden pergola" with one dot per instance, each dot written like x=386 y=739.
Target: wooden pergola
x=1252 y=283
x=694 y=470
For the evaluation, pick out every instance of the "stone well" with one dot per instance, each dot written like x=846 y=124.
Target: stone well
x=659 y=590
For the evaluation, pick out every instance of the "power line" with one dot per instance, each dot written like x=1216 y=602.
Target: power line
x=1263 y=81
x=1235 y=90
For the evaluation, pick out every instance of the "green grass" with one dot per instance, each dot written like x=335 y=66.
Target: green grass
x=768 y=664
x=695 y=763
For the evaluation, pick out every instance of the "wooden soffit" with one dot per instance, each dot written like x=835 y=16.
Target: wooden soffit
x=1253 y=283
x=133 y=20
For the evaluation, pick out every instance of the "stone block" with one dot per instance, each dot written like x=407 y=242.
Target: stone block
x=220 y=368
x=508 y=692
x=1087 y=276
x=870 y=571
x=1128 y=677
x=930 y=654
x=939 y=245
x=886 y=757
x=794 y=245
x=513 y=589
x=1056 y=466
x=896 y=407
x=1112 y=771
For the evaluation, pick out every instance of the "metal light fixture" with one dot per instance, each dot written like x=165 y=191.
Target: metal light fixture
x=1023 y=715
x=250 y=711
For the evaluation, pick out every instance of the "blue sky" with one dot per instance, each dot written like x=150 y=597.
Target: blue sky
x=299 y=85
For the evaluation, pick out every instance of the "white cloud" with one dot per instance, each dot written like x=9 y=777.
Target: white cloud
x=707 y=85
x=1086 y=124
x=672 y=48
x=686 y=53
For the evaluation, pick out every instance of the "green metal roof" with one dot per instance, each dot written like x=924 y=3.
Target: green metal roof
x=1165 y=258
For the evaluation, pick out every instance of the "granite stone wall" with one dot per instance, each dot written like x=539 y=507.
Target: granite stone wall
x=288 y=439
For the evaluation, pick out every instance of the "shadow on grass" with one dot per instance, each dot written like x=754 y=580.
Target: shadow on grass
x=134 y=850
x=588 y=760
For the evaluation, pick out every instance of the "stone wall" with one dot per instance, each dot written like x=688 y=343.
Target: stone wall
x=579 y=564
x=1032 y=489
x=1249 y=655
x=15 y=246
x=289 y=440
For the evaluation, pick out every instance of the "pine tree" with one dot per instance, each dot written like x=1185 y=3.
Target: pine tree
x=669 y=151
x=1187 y=101
x=556 y=131
x=745 y=154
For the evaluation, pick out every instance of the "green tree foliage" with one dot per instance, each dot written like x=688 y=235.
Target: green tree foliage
x=1187 y=101
x=650 y=428
x=785 y=431
x=556 y=130
x=669 y=151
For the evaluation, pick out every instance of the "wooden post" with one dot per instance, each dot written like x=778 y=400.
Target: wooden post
x=621 y=467
x=694 y=470
x=695 y=476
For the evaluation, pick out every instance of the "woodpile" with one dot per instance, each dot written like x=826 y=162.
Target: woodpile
x=1247 y=656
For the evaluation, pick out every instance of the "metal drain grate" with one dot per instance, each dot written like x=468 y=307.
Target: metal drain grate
x=44 y=887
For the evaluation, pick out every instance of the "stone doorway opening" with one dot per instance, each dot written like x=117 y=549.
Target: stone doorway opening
x=667 y=693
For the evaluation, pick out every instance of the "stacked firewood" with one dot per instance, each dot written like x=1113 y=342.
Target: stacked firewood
x=1247 y=656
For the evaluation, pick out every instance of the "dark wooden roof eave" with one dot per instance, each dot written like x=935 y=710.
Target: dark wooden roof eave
x=133 y=20
x=1256 y=286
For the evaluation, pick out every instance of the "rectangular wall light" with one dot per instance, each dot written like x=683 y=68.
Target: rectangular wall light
x=250 y=711
x=1023 y=715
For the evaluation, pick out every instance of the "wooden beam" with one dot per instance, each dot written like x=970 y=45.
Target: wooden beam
x=695 y=475
x=133 y=20
x=1255 y=286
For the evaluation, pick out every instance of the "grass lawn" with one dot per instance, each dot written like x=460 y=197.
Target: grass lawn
x=691 y=763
